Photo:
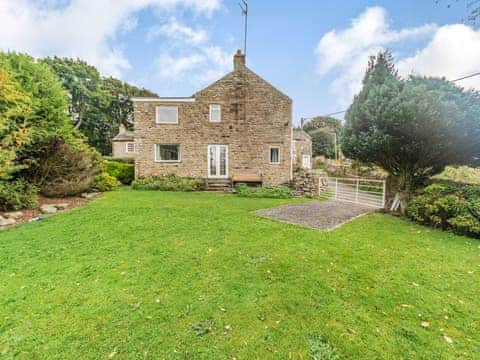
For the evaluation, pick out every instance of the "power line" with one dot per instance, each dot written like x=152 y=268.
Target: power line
x=455 y=80
x=467 y=77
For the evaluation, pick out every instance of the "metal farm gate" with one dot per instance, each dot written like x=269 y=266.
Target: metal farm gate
x=369 y=192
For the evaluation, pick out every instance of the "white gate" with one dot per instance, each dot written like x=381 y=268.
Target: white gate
x=369 y=192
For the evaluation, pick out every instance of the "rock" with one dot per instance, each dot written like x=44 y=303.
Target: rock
x=6 y=222
x=61 y=206
x=48 y=209
x=91 y=195
x=14 y=215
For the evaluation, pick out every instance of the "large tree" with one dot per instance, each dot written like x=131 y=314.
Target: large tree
x=33 y=118
x=97 y=105
x=412 y=128
x=322 y=130
x=15 y=109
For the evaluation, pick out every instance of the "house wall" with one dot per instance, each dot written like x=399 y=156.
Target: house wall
x=254 y=117
x=119 y=150
x=302 y=147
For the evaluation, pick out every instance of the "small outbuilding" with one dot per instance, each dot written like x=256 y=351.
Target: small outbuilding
x=302 y=149
x=123 y=145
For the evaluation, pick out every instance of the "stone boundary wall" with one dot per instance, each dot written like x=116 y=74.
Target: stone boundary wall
x=305 y=183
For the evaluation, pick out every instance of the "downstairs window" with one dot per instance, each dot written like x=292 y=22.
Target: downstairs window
x=167 y=153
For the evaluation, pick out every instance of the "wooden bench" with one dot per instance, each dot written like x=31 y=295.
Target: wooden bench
x=247 y=178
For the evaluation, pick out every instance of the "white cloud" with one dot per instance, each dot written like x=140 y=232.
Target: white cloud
x=176 y=31
x=453 y=52
x=347 y=51
x=130 y=24
x=80 y=28
x=201 y=66
x=170 y=67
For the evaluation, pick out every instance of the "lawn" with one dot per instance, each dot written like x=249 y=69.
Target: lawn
x=196 y=275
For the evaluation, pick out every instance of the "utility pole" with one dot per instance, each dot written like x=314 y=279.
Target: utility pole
x=244 y=7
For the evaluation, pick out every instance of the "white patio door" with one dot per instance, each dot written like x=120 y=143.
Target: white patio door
x=217 y=161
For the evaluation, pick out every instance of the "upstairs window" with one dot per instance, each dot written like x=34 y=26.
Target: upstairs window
x=274 y=155
x=215 y=113
x=167 y=115
x=167 y=153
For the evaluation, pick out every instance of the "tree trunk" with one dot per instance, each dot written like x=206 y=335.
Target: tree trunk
x=403 y=186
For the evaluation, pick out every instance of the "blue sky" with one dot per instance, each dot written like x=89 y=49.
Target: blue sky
x=314 y=51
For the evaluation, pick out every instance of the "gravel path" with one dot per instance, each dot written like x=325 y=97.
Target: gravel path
x=322 y=215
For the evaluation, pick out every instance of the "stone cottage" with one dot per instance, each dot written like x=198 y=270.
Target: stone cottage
x=124 y=145
x=238 y=129
x=302 y=149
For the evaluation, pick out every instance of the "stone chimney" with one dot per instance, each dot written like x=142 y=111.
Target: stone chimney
x=121 y=129
x=238 y=61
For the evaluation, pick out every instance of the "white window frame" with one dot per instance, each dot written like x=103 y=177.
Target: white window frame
x=270 y=155
x=134 y=147
x=167 y=161
x=309 y=165
x=166 y=122
x=219 y=112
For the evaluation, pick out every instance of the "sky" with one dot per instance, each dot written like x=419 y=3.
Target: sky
x=314 y=51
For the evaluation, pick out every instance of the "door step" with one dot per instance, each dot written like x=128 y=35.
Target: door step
x=220 y=185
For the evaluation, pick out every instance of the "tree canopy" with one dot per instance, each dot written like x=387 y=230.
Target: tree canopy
x=15 y=109
x=321 y=129
x=32 y=111
x=411 y=127
x=97 y=105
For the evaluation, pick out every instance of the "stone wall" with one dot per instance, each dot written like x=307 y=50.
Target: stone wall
x=119 y=150
x=305 y=183
x=254 y=117
x=302 y=147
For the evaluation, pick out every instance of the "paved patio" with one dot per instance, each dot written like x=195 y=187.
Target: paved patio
x=322 y=215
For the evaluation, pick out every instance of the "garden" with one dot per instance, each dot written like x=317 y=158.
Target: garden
x=158 y=274
x=159 y=268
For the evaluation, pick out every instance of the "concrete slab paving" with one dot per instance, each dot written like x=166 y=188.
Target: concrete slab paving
x=322 y=215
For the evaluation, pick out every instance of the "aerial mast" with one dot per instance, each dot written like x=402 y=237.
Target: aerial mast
x=244 y=7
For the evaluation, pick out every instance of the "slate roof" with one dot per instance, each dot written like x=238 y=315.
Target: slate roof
x=299 y=134
x=126 y=136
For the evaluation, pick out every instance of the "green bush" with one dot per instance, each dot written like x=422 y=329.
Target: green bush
x=105 y=182
x=170 y=183
x=63 y=169
x=462 y=174
x=274 y=192
x=18 y=195
x=124 y=172
x=448 y=207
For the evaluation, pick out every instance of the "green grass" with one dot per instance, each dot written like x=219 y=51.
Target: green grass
x=195 y=275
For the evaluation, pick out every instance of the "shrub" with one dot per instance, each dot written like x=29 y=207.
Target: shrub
x=17 y=195
x=274 y=192
x=105 y=182
x=463 y=174
x=124 y=172
x=448 y=207
x=63 y=169
x=170 y=183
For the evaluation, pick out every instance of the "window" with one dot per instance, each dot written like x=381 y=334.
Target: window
x=275 y=155
x=215 y=113
x=167 y=153
x=167 y=115
x=131 y=147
